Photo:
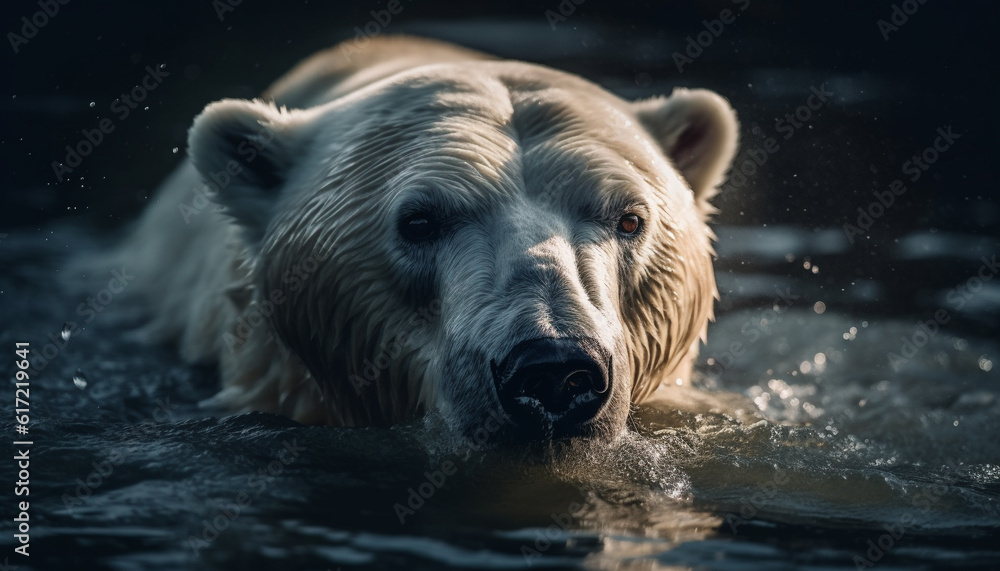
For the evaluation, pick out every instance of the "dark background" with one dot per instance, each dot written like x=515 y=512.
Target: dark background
x=938 y=69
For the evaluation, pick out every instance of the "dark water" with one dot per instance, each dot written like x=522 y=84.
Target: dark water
x=802 y=445
x=795 y=451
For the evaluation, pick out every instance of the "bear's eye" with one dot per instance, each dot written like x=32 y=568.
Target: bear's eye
x=419 y=227
x=629 y=224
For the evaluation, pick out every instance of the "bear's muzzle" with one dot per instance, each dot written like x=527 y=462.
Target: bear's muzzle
x=553 y=387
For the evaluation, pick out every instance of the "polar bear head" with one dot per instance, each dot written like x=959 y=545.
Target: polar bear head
x=507 y=244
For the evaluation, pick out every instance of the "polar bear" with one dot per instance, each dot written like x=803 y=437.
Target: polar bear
x=418 y=227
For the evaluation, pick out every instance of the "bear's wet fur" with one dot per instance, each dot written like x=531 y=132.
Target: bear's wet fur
x=386 y=222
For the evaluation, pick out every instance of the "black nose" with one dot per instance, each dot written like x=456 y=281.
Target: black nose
x=552 y=387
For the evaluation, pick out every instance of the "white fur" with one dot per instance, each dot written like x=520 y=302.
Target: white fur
x=521 y=157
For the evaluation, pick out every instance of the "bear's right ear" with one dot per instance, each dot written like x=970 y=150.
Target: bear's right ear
x=244 y=151
x=698 y=131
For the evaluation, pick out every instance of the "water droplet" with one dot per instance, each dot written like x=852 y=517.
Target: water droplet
x=93 y=103
x=174 y=150
x=80 y=380
x=66 y=331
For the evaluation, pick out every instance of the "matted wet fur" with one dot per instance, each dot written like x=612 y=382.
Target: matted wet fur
x=302 y=290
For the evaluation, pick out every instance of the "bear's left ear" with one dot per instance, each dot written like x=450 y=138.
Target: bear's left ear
x=244 y=151
x=698 y=131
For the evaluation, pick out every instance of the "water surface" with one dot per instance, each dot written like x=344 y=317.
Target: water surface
x=805 y=446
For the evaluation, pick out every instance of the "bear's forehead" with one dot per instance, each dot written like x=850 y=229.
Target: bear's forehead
x=531 y=103
x=507 y=120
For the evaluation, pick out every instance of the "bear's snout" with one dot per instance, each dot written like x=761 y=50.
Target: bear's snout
x=553 y=387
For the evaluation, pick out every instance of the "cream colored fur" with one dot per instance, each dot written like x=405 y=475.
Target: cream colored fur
x=515 y=151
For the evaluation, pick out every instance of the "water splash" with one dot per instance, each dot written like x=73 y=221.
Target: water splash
x=80 y=379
